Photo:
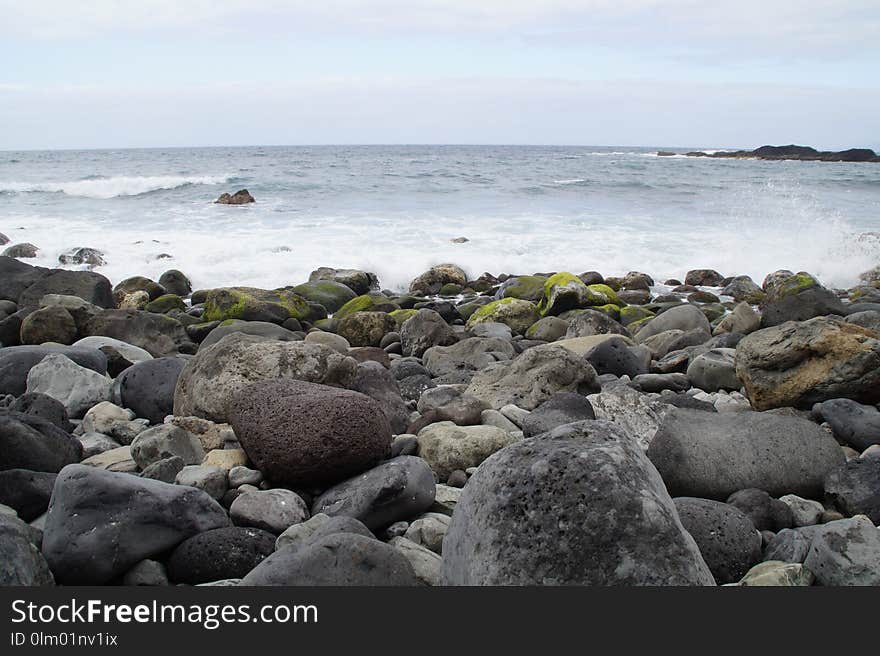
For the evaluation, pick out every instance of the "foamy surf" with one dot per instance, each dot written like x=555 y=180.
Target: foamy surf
x=113 y=187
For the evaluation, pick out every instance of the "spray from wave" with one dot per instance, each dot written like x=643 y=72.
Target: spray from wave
x=112 y=187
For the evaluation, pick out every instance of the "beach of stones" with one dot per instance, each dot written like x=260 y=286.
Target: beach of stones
x=545 y=429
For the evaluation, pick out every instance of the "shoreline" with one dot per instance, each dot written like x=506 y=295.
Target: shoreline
x=427 y=433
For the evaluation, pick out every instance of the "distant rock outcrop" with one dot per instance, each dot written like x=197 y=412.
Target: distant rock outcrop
x=240 y=197
x=803 y=153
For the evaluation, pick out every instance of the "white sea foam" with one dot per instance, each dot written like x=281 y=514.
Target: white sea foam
x=112 y=187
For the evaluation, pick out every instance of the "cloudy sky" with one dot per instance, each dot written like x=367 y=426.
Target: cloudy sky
x=118 y=73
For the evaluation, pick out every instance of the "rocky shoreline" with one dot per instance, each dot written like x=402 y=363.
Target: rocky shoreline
x=791 y=152
x=542 y=429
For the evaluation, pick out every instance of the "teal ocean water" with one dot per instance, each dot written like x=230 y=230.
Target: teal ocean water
x=395 y=209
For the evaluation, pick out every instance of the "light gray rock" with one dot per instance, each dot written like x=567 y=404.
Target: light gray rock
x=271 y=510
x=845 y=552
x=637 y=414
x=805 y=512
x=425 y=563
x=130 y=352
x=472 y=354
x=714 y=370
x=101 y=417
x=681 y=317
x=447 y=447
x=75 y=387
x=165 y=441
x=211 y=480
x=429 y=531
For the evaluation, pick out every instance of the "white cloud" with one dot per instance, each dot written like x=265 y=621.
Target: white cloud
x=740 y=26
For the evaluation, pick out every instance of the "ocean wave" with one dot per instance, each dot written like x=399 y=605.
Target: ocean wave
x=573 y=181
x=113 y=187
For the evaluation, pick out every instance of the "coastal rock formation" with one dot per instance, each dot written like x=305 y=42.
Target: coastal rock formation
x=240 y=197
x=803 y=153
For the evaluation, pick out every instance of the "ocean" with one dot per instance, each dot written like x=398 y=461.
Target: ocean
x=395 y=210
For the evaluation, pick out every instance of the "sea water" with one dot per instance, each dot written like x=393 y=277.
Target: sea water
x=395 y=210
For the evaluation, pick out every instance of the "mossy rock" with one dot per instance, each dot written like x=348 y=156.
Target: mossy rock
x=402 y=315
x=713 y=311
x=634 y=313
x=480 y=286
x=166 y=303
x=517 y=314
x=465 y=310
x=251 y=304
x=702 y=297
x=610 y=309
x=365 y=328
x=634 y=326
x=199 y=296
x=526 y=288
x=366 y=303
x=607 y=292
x=565 y=291
x=327 y=325
x=779 y=287
x=329 y=293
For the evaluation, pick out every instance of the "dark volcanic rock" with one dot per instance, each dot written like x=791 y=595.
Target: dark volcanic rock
x=147 y=388
x=423 y=330
x=614 y=356
x=302 y=434
x=341 y=559
x=712 y=456
x=49 y=324
x=766 y=513
x=398 y=489
x=176 y=282
x=25 y=491
x=221 y=553
x=30 y=442
x=375 y=381
x=562 y=408
x=17 y=276
x=101 y=523
x=569 y=507
x=45 y=407
x=854 y=488
x=89 y=286
x=797 y=297
x=23 y=564
x=158 y=334
x=852 y=423
x=704 y=277
x=240 y=197
x=728 y=540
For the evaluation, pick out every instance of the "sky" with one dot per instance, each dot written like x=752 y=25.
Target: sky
x=675 y=73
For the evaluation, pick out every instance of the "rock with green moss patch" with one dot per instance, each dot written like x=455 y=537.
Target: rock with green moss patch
x=400 y=316
x=525 y=288
x=565 y=291
x=465 y=310
x=608 y=293
x=366 y=303
x=450 y=289
x=743 y=288
x=515 y=313
x=360 y=282
x=365 y=328
x=252 y=304
x=796 y=297
x=165 y=304
x=329 y=293
x=634 y=313
x=610 y=309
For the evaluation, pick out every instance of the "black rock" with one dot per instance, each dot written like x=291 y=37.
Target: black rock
x=165 y=470
x=727 y=538
x=852 y=423
x=377 y=382
x=561 y=408
x=23 y=564
x=855 y=488
x=147 y=387
x=16 y=276
x=87 y=285
x=766 y=513
x=176 y=282
x=614 y=356
x=29 y=442
x=25 y=491
x=221 y=553
x=45 y=407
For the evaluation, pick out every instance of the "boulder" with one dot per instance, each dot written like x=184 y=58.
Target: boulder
x=23 y=564
x=854 y=487
x=447 y=447
x=714 y=370
x=592 y=322
x=76 y=388
x=547 y=329
x=252 y=304
x=516 y=314
x=377 y=382
x=802 y=363
x=568 y=507
x=299 y=433
x=468 y=355
x=684 y=317
x=532 y=378
x=526 y=288
x=101 y=523
x=766 y=513
x=703 y=277
x=210 y=381
x=330 y=340
x=329 y=293
x=852 y=423
x=559 y=409
x=360 y=282
x=44 y=407
x=434 y=278
x=137 y=284
x=743 y=289
x=175 y=282
x=565 y=291
x=17 y=276
x=26 y=491
x=797 y=297
x=845 y=552
x=341 y=559
x=743 y=319
x=615 y=356
x=89 y=286
x=165 y=441
x=21 y=250
x=240 y=197
x=48 y=324
x=425 y=563
x=147 y=388
x=221 y=553
x=269 y=331
x=365 y=328
x=426 y=328
x=17 y=361
x=400 y=488
x=128 y=352
x=712 y=456
x=317 y=527
x=638 y=414
x=270 y=510
x=158 y=334
x=211 y=480
x=727 y=538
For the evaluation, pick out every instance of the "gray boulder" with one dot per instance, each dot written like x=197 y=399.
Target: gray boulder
x=17 y=361
x=559 y=409
x=165 y=441
x=258 y=328
x=854 y=487
x=400 y=488
x=714 y=370
x=158 y=334
x=101 y=523
x=567 y=508
x=426 y=328
x=684 y=317
x=147 y=388
x=377 y=382
x=472 y=354
x=270 y=510
x=711 y=456
x=212 y=379
x=796 y=297
x=845 y=552
x=25 y=491
x=447 y=447
x=585 y=323
x=76 y=388
x=852 y=423
x=87 y=285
